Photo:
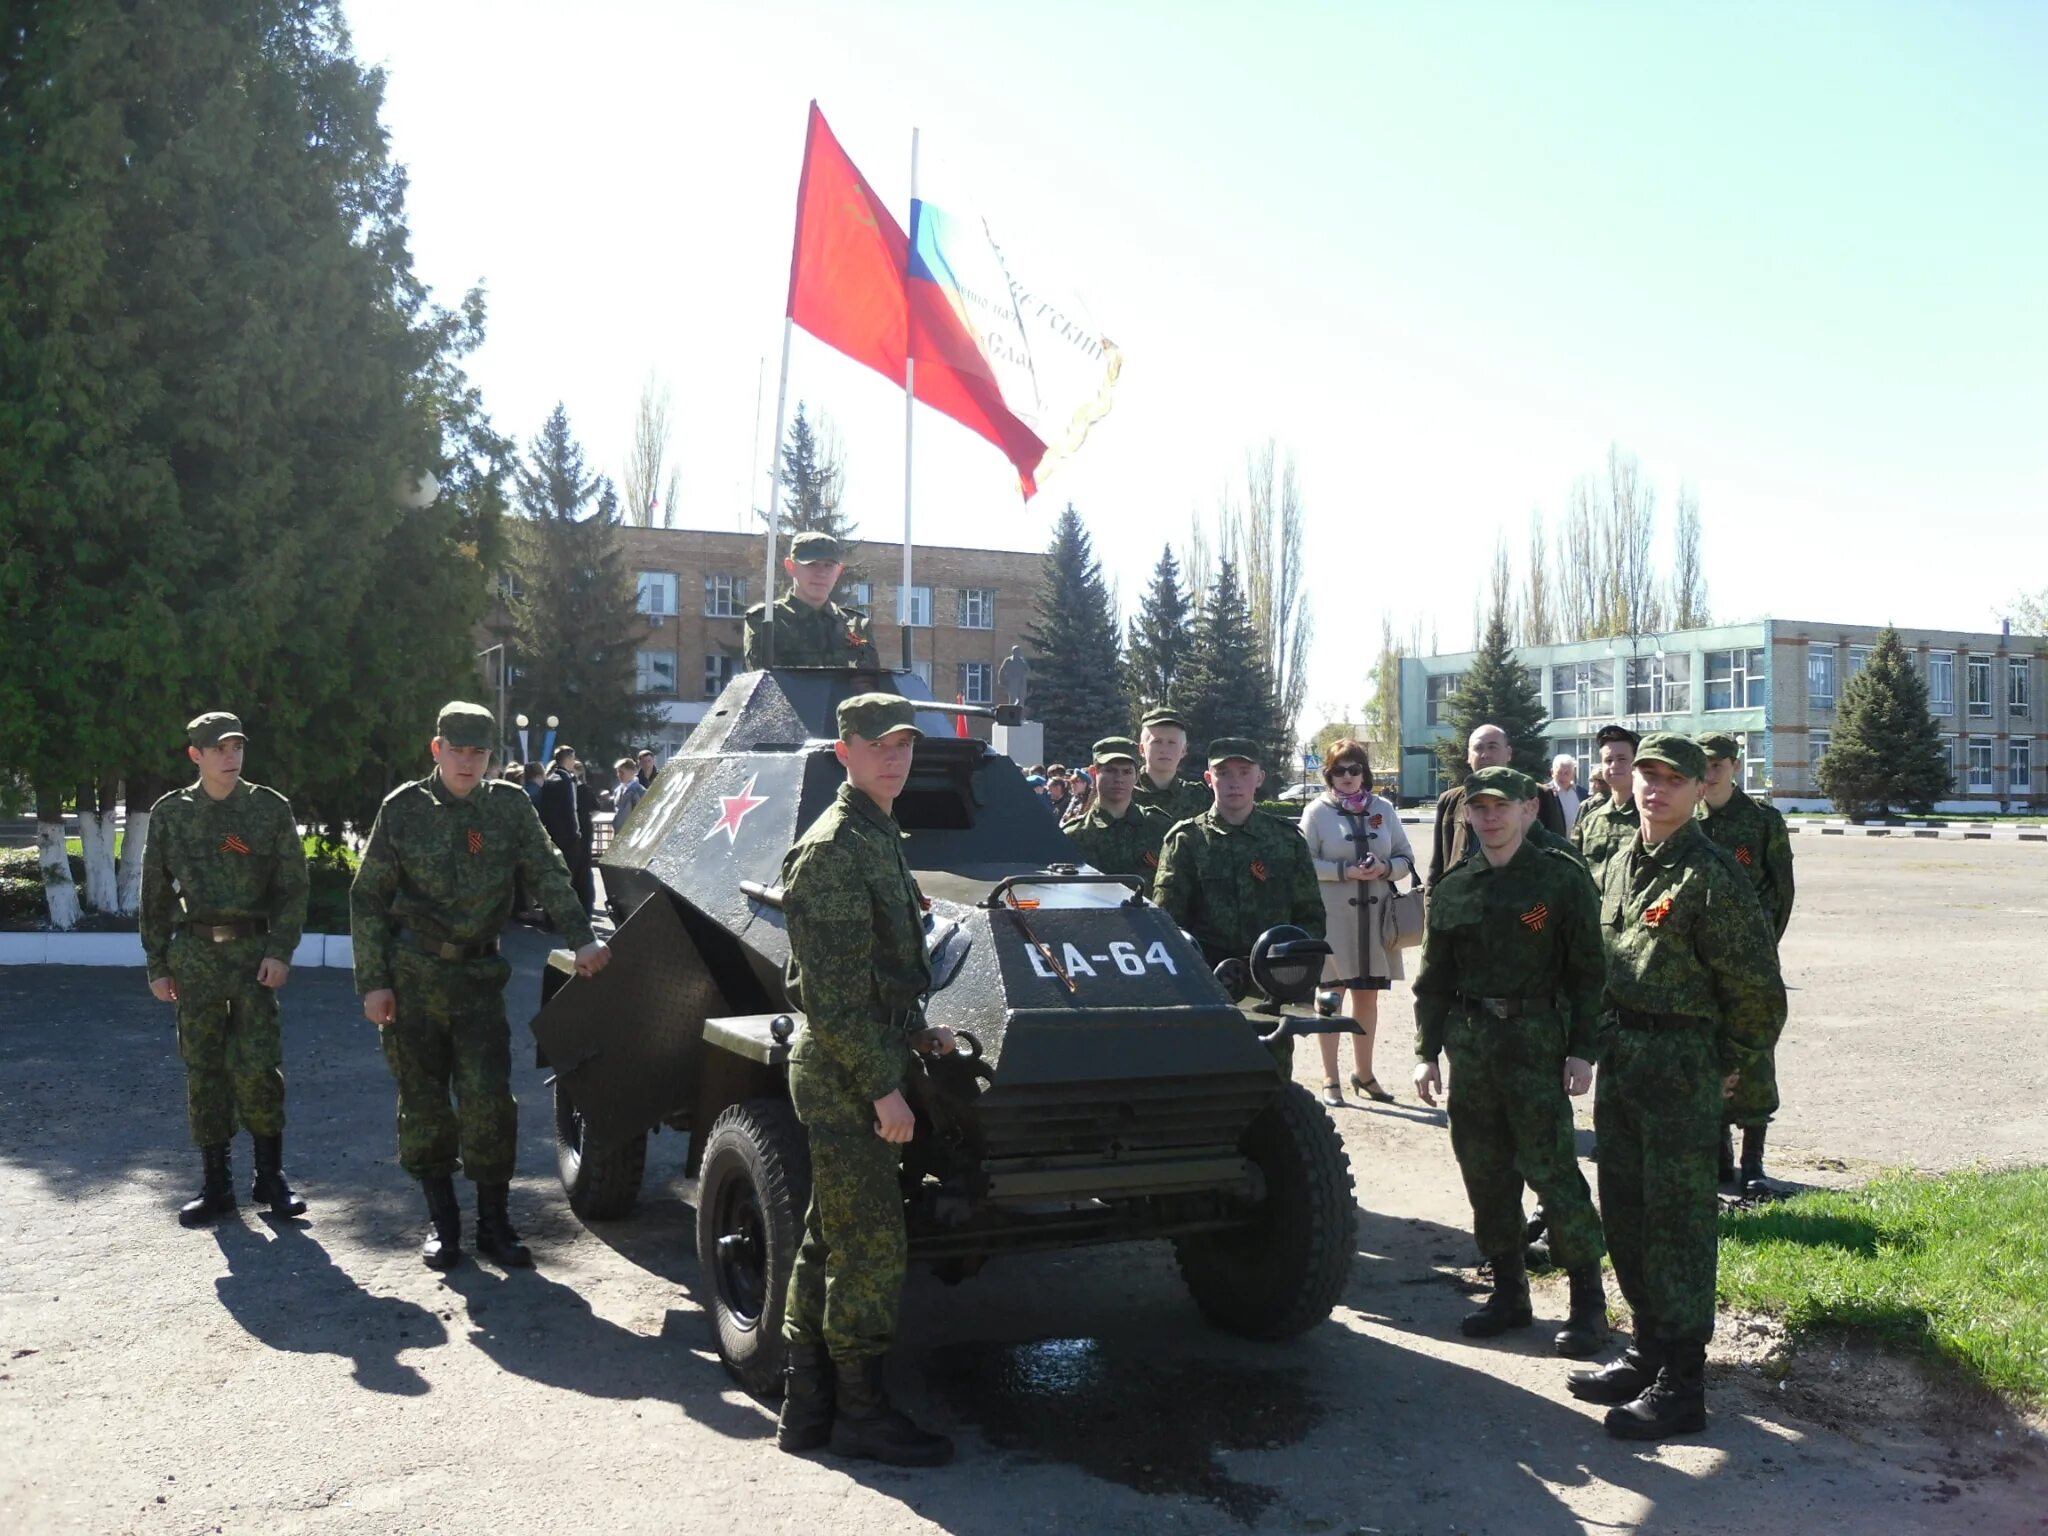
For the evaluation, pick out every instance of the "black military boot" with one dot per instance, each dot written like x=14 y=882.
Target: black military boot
x=1626 y=1379
x=1508 y=1306
x=865 y=1425
x=495 y=1238
x=805 y=1423
x=1754 y=1185
x=1726 y=1171
x=1674 y=1404
x=270 y=1187
x=216 y=1195
x=443 y=1247
x=1585 y=1329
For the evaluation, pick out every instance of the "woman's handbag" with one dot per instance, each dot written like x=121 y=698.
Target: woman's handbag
x=1401 y=916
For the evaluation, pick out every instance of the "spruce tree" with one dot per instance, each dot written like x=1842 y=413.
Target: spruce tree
x=1074 y=688
x=1498 y=690
x=1226 y=685
x=1158 y=643
x=574 y=622
x=1887 y=748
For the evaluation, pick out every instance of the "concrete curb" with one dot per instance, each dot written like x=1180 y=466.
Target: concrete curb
x=1941 y=834
x=315 y=951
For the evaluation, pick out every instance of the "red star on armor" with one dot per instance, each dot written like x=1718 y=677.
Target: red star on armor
x=735 y=811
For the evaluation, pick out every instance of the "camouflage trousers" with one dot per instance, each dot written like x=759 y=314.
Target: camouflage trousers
x=1657 y=1111
x=1511 y=1124
x=230 y=1039
x=847 y=1284
x=451 y=1034
x=1755 y=1098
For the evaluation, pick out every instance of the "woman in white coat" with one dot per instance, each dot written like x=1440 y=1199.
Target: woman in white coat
x=1360 y=850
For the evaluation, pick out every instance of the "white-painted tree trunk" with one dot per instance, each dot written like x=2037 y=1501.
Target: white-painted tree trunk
x=96 y=846
x=60 y=892
x=134 y=845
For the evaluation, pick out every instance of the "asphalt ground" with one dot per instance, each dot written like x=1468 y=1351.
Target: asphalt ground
x=312 y=1376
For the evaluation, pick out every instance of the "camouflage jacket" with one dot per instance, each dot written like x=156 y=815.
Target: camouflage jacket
x=1120 y=845
x=1755 y=835
x=1684 y=934
x=1528 y=930
x=1227 y=885
x=1179 y=800
x=1604 y=830
x=825 y=636
x=857 y=962
x=446 y=865
x=212 y=861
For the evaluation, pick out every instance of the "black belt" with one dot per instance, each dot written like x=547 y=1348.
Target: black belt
x=443 y=951
x=1505 y=1008
x=1630 y=1018
x=222 y=933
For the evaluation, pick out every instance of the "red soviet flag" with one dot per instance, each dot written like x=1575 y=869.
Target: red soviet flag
x=848 y=287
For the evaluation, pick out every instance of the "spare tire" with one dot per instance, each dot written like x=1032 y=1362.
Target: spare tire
x=752 y=1192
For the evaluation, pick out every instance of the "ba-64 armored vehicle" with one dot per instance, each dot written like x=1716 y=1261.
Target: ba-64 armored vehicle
x=1108 y=1086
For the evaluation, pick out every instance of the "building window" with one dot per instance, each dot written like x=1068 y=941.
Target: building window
x=977 y=607
x=718 y=671
x=1817 y=744
x=657 y=592
x=510 y=587
x=1977 y=679
x=1820 y=678
x=1941 y=682
x=923 y=669
x=1584 y=751
x=1859 y=658
x=861 y=594
x=1582 y=690
x=1735 y=679
x=1980 y=762
x=1659 y=685
x=914 y=608
x=1437 y=693
x=725 y=597
x=2017 y=681
x=977 y=682
x=2019 y=766
x=655 y=671
x=1948 y=758
x=1755 y=758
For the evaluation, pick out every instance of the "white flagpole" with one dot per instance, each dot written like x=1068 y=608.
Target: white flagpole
x=775 y=490
x=909 y=413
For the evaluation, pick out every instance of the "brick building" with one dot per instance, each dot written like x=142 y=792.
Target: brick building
x=968 y=607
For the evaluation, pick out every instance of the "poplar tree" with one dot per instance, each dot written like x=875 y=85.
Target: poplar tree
x=1074 y=688
x=1157 y=647
x=1887 y=750
x=1497 y=690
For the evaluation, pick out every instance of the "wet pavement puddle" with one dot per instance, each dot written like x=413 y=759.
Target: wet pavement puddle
x=1123 y=1414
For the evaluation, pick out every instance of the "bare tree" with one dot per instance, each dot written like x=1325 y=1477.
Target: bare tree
x=1199 y=569
x=2030 y=612
x=1539 y=621
x=1383 y=709
x=1582 y=587
x=650 y=498
x=1688 y=603
x=1631 y=526
x=1262 y=533
x=1500 y=596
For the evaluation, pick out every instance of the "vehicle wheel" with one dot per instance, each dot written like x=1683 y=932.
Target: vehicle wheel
x=1281 y=1275
x=599 y=1185
x=752 y=1191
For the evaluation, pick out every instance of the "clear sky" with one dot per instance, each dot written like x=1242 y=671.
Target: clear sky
x=1795 y=256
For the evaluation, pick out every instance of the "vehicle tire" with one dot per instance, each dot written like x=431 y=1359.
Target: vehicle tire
x=752 y=1191
x=1281 y=1275
x=599 y=1185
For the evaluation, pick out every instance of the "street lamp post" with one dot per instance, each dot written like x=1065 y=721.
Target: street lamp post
x=499 y=649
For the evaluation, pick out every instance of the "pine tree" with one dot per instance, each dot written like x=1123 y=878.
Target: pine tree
x=574 y=639
x=1887 y=748
x=1074 y=690
x=1226 y=686
x=1497 y=690
x=1157 y=647
x=813 y=483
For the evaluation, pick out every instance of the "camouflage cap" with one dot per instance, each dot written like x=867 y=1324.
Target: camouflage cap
x=213 y=728
x=1504 y=782
x=1674 y=751
x=816 y=548
x=1224 y=748
x=1720 y=744
x=1114 y=749
x=1162 y=717
x=1609 y=733
x=466 y=725
x=875 y=715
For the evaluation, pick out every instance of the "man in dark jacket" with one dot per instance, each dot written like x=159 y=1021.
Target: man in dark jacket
x=1487 y=748
x=563 y=817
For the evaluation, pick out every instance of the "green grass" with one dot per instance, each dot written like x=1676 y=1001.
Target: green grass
x=330 y=869
x=1956 y=1267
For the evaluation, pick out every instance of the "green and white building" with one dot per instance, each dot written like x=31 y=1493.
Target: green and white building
x=1774 y=684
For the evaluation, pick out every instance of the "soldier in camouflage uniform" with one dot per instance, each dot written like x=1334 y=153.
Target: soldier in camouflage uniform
x=858 y=968
x=1163 y=744
x=1609 y=826
x=810 y=629
x=1116 y=834
x=433 y=892
x=1694 y=998
x=1510 y=986
x=1754 y=835
x=223 y=904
